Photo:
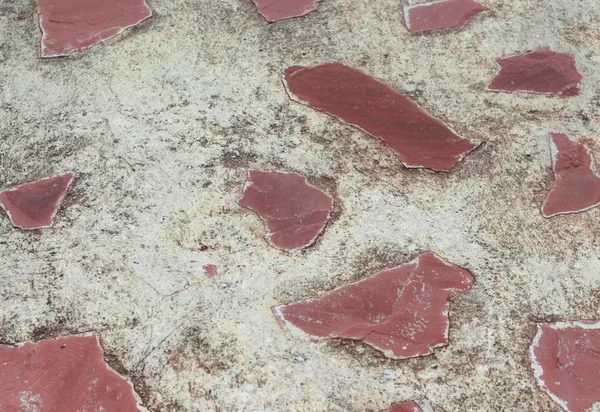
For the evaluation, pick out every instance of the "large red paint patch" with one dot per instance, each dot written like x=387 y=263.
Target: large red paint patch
x=541 y=72
x=294 y=212
x=565 y=357
x=408 y=406
x=70 y=26
x=418 y=139
x=440 y=14
x=34 y=205
x=401 y=311
x=576 y=184
x=63 y=374
x=275 y=10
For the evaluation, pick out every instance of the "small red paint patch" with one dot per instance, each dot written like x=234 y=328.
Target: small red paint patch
x=440 y=14
x=565 y=357
x=34 y=205
x=408 y=406
x=275 y=10
x=63 y=374
x=576 y=184
x=541 y=72
x=401 y=311
x=70 y=26
x=209 y=270
x=294 y=212
x=418 y=139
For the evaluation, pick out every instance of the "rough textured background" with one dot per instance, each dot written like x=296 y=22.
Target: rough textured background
x=195 y=99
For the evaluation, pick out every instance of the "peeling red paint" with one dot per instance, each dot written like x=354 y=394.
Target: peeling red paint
x=294 y=212
x=408 y=406
x=209 y=270
x=275 y=10
x=63 y=374
x=576 y=186
x=70 y=26
x=565 y=357
x=401 y=311
x=34 y=205
x=418 y=139
x=541 y=72
x=440 y=14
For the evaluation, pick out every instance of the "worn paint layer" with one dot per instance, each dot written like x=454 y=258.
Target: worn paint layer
x=276 y=10
x=70 y=26
x=576 y=185
x=210 y=271
x=294 y=212
x=541 y=72
x=63 y=374
x=440 y=14
x=418 y=139
x=565 y=357
x=402 y=312
x=408 y=406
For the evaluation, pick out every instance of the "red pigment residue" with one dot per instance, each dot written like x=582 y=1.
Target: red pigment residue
x=418 y=139
x=34 y=205
x=576 y=184
x=408 y=406
x=294 y=212
x=275 y=10
x=565 y=357
x=401 y=311
x=542 y=72
x=209 y=270
x=440 y=14
x=63 y=374
x=70 y=26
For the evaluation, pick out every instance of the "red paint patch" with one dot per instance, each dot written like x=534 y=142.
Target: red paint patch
x=418 y=139
x=70 y=26
x=565 y=357
x=408 y=406
x=541 y=72
x=401 y=311
x=440 y=14
x=294 y=212
x=34 y=205
x=275 y=10
x=63 y=374
x=209 y=270
x=576 y=184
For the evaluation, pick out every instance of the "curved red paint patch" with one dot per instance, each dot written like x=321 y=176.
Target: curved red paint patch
x=576 y=184
x=408 y=406
x=401 y=311
x=418 y=139
x=63 y=374
x=542 y=72
x=34 y=205
x=565 y=357
x=441 y=14
x=294 y=212
x=275 y=10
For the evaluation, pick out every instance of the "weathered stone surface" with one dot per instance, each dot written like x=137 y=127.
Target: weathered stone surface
x=275 y=10
x=565 y=357
x=70 y=26
x=541 y=72
x=34 y=205
x=440 y=14
x=576 y=186
x=63 y=374
x=419 y=140
x=401 y=311
x=294 y=212
x=408 y=406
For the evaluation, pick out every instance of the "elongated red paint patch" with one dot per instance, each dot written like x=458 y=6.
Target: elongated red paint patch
x=401 y=311
x=294 y=212
x=565 y=357
x=418 y=139
x=70 y=26
x=408 y=406
x=275 y=10
x=34 y=205
x=576 y=186
x=440 y=14
x=63 y=374
x=541 y=72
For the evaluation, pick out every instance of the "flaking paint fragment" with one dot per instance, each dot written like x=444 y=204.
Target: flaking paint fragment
x=62 y=374
x=33 y=205
x=440 y=14
x=565 y=357
x=407 y=406
x=418 y=139
x=294 y=212
x=576 y=185
x=403 y=312
x=276 y=10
